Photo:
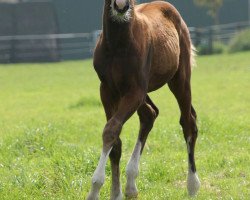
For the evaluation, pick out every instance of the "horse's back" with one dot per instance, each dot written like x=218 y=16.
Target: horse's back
x=159 y=10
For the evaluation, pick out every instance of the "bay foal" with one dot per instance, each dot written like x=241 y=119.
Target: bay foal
x=142 y=48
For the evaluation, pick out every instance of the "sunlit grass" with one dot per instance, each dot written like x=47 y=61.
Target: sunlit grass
x=51 y=121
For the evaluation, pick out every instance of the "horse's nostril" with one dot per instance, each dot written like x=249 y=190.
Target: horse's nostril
x=127 y=6
x=121 y=10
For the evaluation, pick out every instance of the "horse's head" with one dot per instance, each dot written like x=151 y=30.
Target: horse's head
x=121 y=10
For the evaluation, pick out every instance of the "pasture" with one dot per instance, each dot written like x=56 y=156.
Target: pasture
x=51 y=122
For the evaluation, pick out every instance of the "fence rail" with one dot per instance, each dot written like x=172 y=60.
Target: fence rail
x=45 y=36
x=207 y=36
x=47 y=47
x=56 y=47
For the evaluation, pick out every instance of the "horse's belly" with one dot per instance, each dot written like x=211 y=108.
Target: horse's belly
x=164 y=65
x=158 y=80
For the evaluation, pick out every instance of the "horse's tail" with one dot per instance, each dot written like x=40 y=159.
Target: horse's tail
x=187 y=49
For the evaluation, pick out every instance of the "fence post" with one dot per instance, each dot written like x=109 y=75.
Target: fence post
x=197 y=34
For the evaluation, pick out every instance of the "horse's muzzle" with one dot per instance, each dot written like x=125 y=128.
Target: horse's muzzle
x=121 y=6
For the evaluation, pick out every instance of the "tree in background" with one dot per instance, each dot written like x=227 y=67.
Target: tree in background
x=213 y=7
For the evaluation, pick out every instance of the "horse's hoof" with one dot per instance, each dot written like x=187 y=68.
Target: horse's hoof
x=131 y=194
x=131 y=191
x=92 y=197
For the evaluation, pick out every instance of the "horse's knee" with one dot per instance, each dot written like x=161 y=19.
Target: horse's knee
x=194 y=128
x=111 y=132
x=116 y=152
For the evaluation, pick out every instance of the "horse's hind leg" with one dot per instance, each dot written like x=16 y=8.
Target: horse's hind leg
x=180 y=86
x=147 y=115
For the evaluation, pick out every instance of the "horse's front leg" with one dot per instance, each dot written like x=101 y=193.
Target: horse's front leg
x=127 y=105
x=110 y=107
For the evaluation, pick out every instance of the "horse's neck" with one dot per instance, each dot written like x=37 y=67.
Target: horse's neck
x=115 y=33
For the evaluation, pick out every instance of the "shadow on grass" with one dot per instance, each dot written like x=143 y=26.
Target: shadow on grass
x=86 y=102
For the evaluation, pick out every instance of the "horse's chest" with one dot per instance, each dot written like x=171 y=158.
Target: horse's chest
x=117 y=75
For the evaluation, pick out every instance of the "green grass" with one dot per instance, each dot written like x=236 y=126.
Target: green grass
x=51 y=122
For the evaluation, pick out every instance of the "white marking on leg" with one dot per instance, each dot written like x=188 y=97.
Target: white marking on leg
x=117 y=197
x=99 y=176
x=193 y=182
x=132 y=171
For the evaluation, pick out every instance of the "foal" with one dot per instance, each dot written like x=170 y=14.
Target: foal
x=141 y=49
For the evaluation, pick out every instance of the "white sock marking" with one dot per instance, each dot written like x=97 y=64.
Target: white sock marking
x=193 y=182
x=132 y=170
x=99 y=176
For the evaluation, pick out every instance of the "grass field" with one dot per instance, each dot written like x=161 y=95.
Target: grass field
x=51 y=122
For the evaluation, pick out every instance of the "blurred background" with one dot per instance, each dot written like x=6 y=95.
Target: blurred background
x=55 y=30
